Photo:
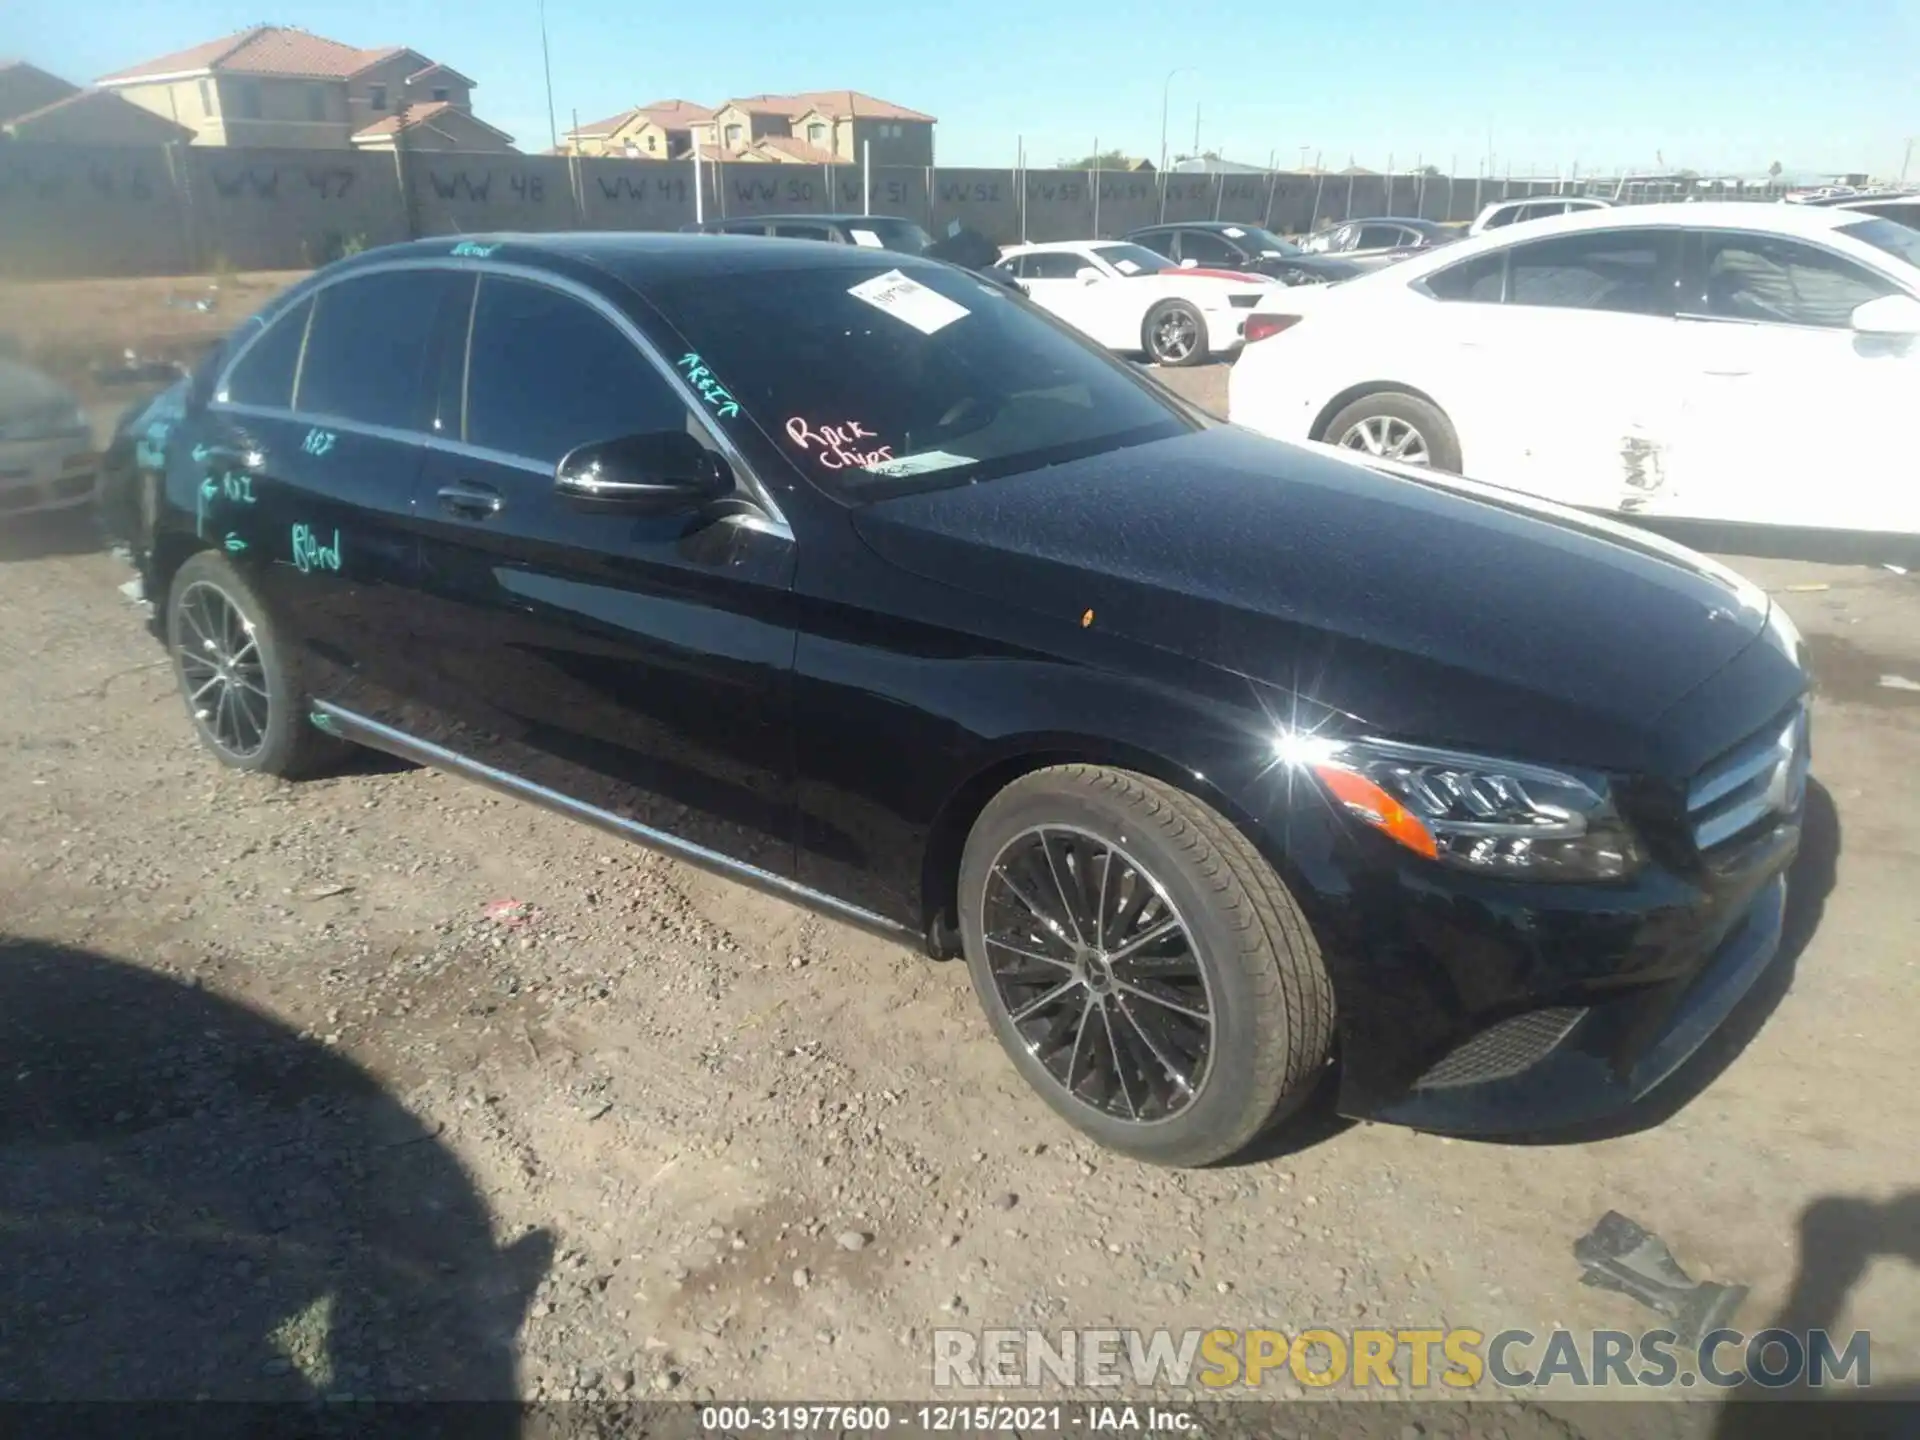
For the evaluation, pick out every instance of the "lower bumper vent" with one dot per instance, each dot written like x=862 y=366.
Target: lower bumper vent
x=1503 y=1050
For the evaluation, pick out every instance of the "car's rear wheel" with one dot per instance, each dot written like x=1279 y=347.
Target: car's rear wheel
x=1393 y=425
x=1145 y=969
x=235 y=674
x=1174 y=334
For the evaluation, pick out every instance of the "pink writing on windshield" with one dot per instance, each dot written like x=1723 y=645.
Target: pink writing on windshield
x=838 y=444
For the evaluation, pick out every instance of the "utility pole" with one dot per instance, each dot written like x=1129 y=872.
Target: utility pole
x=546 y=59
x=1166 y=92
x=1906 y=160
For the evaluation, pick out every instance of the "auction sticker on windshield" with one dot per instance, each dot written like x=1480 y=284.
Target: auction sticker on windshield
x=925 y=461
x=908 y=300
x=868 y=239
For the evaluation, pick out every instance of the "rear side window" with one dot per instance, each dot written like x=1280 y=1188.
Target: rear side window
x=1478 y=280
x=368 y=345
x=1160 y=244
x=1623 y=271
x=1382 y=237
x=804 y=232
x=264 y=375
x=1784 y=282
x=548 y=373
x=1207 y=248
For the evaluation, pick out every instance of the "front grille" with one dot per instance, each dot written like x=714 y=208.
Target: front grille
x=1504 y=1049
x=1757 y=781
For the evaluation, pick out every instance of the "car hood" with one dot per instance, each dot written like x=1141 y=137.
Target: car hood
x=1421 y=609
x=26 y=393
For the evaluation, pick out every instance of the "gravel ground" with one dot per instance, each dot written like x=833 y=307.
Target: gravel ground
x=381 y=1085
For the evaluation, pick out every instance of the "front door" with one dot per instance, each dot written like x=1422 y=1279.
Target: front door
x=640 y=664
x=1789 y=412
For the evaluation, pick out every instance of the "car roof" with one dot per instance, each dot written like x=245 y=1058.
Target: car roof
x=634 y=256
x=837 y=217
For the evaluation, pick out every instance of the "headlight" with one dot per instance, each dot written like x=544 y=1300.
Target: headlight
x=1469 y=812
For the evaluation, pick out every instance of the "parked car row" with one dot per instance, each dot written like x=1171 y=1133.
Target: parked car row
x=1237 y=771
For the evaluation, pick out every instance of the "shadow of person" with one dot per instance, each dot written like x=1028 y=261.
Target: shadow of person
x=195 y=1202
x=1839 y=1237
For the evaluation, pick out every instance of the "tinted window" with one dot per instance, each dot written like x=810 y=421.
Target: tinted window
x=1499 y=218
x=804 y=232
x=1382 y=237
x=1052 y=265
x=1901 y=212
x=368 y=345
x=1478 y=280
x=909 y=389
x=1766 y=278
x=1207 y=248
x=1895 y=237
x=1626 y=271
x=744 y=227
x=548 y=373
x=1160 y=243
x=264 y=375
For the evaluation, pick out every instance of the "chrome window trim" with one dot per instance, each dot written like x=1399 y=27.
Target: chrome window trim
x=749 y=480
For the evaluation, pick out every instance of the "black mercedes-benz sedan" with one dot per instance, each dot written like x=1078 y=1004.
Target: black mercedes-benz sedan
x=1231 y=769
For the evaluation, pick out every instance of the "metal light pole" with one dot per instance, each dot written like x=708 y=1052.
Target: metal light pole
x=553 y=130
x=1166 y=94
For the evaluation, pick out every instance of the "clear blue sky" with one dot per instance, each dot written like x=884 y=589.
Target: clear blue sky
x=1715 y=85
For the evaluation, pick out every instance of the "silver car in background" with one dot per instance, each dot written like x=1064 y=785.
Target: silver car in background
x=47 y=460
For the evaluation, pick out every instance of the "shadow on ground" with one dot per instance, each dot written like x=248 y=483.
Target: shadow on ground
x=194 y=1201
x=55 y=532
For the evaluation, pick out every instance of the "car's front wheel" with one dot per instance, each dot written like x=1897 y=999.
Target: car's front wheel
x=1143 y=966
x=236 y=675
x=1174 y=334
x=1394 y=425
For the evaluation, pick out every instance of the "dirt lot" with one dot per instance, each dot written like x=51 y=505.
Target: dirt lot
x=381 y=1085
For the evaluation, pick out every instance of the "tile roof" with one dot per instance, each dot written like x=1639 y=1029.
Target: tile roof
x=667 y=114
x=93 y=99
x=795 y=148
x=266 y=50
x=845 y=104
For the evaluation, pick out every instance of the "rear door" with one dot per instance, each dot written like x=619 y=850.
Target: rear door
x=638 y=664
x=1555 y=358
x=1787 y=410
x=307 y=477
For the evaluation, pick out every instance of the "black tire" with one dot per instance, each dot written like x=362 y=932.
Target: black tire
x=1166 y=320
x=224 y=644
x=1262 y=979
x=1393 y=408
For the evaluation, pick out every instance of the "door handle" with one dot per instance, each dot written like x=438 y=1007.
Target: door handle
x=474 y=502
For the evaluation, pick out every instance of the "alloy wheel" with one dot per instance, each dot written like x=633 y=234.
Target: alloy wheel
x=1389 y=437
x=1175 y=336
x=224 y=676
x=1098 y=973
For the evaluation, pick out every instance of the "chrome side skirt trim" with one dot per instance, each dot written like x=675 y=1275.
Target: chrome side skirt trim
x=372 y=733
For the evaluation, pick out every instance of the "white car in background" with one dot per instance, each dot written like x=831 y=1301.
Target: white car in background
x=1744 y=364
x=1502 y=213
x=1127 y=298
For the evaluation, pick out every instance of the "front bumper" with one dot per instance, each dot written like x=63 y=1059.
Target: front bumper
x=41 y=475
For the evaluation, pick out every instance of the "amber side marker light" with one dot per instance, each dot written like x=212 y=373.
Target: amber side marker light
x=1379 y=809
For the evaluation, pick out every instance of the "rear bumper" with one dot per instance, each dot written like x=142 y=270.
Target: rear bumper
x=46 y=475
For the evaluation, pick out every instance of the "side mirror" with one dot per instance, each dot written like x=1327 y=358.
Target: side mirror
x=655 y=473
x=1086 y=275
x=1890 y=315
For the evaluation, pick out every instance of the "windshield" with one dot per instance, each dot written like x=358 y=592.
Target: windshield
x=873 y=382
x=1133 y=259
x=1888 y=235
x=902 y=235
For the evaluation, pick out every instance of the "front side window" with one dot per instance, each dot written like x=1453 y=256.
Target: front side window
x=368 y=345
x=1773 y=280
x=1051 y=265
x=548 y=373
x=1624 y=271
x=1160 y=242
x=264 y=375
x=1207 y=248
x=870 y=387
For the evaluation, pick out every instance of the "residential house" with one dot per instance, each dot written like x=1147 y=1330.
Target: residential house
x=436 y=125
x=38 y=106
x=660 y=131
x=273 y=85
x=834 y=125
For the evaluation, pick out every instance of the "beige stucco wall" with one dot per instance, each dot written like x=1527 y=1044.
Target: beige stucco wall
x=180 y=101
